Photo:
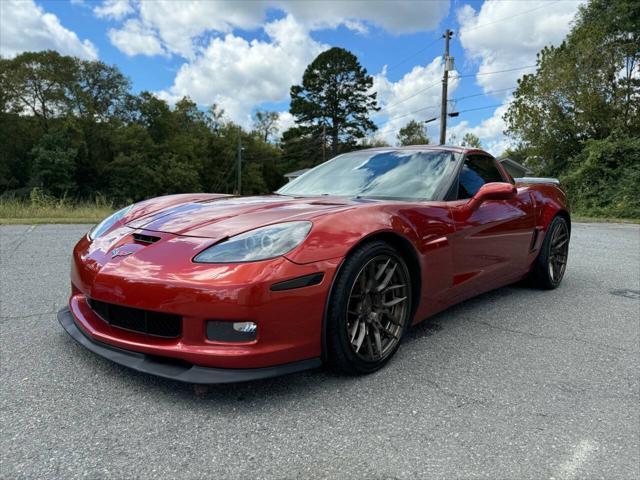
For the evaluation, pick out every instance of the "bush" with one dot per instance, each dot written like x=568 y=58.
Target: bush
x=604 y=178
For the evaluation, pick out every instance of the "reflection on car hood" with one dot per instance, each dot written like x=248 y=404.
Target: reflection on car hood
x=226 y=216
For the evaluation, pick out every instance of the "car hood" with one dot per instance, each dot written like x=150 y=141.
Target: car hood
x=226 y=216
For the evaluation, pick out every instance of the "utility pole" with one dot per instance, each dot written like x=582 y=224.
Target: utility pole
x=448 y=65
x=324 y=141
x=239 y=163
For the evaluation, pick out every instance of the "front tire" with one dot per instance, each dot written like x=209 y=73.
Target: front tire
x=551 y=263
x=369 y=309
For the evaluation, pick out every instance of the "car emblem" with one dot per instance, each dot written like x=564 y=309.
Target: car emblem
x=120 y=252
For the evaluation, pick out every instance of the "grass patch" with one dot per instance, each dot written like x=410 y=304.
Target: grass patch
x=581 y=219
x=49 y=220
x=40 y=208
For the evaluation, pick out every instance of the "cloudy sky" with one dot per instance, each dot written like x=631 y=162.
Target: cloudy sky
x=245 y=54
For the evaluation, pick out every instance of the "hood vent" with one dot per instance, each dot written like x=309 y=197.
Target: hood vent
x=146 y=239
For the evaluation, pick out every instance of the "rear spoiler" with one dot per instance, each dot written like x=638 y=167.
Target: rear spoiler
x=553 y=181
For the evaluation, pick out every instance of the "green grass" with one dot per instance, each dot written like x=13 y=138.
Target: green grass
x=583 y=219
x=42 y=209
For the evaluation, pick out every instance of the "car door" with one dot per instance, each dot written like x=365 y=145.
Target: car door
x=492 y=241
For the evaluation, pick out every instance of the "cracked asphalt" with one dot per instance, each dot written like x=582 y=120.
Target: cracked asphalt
x=517 y=383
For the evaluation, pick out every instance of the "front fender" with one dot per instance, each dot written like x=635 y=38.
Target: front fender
x=334 y=235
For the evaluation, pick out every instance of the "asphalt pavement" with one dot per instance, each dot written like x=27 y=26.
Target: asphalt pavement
x=517 y=383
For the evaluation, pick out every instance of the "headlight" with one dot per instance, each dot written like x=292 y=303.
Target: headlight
x=259 y=244
x=107 y=223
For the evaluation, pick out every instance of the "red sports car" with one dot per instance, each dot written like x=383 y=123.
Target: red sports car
x=333 y=268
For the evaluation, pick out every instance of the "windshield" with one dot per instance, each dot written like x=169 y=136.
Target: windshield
x=394 y=174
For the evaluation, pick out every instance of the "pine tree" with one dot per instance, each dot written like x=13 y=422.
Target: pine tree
x=335 y=99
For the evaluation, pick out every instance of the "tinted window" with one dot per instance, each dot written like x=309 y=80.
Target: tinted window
x=476 y=171
x=396 y=174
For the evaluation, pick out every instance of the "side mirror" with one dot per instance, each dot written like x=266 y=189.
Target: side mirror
x=493 y=191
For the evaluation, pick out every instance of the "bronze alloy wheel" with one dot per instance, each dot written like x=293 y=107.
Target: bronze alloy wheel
x=558 y=252
x=377 y=309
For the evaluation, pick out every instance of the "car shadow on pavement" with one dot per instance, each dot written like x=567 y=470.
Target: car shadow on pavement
x=461 y=312
x=258 y=390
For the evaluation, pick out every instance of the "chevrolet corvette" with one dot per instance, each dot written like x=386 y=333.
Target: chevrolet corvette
x=333 y=268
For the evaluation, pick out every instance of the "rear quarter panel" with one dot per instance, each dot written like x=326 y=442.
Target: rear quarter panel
x=549 y=201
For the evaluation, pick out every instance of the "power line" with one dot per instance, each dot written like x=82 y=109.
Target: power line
x=466 y=75
x=480 y=108
x=545 y=5
x=389 y=128
x=396 y=129
x=412 y=112
x=452 y=100
x=454 y=77
x=423 y=49
x=411 y=96
x=482 y=94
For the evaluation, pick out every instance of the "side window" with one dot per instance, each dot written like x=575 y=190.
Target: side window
x=476 y=171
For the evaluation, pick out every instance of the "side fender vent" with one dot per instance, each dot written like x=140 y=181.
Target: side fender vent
x=534 y=239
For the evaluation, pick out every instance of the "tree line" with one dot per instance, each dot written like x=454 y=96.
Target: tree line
x=74 y=128
x=578 y=116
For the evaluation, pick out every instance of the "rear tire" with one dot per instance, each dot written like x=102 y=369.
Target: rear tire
x=369 y=309
x=551 y=264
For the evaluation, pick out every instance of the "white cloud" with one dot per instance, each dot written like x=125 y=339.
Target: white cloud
x=180 y=25
x=503 y=36
x=399 y=16
x=416 y=96
x=115 y=9
x=285 y=122
x=134 y=38
x=24 y=26
x=239 y=75
x=500 y=36
x=225 y=68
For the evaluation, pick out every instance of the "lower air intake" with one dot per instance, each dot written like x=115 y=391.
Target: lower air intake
x=138 y=320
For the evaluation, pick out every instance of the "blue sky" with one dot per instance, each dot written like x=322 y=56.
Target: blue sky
x=245 y=55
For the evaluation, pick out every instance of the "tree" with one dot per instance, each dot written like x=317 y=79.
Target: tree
x=586 y=88
x=413 y=133
x=371 y=142
x=265 y=124
x=604 y=179
x=153 y=114
x=132 y=177
x=72 y=129
x=300 y=149
x=335 y=97
x=471 y=140
x=215 y=118
x=578 y=116
x=54 y=164
x=98 y=91
x=38 y=83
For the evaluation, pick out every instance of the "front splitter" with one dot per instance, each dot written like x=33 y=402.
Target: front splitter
x=182 y=373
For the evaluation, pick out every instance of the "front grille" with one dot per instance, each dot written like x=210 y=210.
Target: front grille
x=137 y=320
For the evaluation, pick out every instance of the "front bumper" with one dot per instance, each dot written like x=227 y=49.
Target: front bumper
x=177 y=371
x=161 y=278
